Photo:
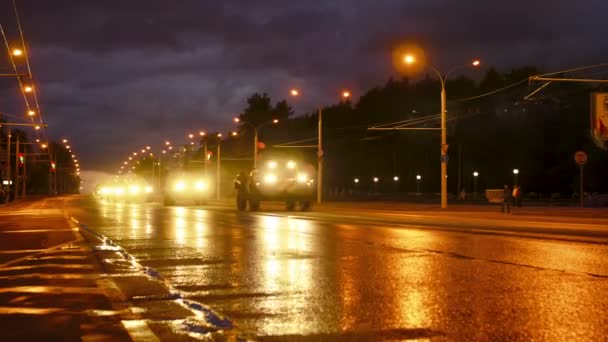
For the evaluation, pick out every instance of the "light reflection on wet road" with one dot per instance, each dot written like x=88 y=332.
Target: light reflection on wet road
x=275 y=275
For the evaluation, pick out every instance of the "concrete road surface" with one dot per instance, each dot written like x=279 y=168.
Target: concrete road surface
x=352 y=272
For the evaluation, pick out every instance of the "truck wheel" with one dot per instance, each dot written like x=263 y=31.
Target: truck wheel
x=254 y=204
x=241 y=203
x=290 y=205
x=305 y=205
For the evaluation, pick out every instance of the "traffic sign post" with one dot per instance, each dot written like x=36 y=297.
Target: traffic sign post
x=580 y=157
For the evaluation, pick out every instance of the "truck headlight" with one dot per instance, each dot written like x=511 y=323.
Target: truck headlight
x=200 y=185
x=302 y=178
x=270 y=178
x=179 y=186
x=148 y=189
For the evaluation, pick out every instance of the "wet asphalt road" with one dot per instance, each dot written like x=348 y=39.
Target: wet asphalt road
x=310 y=278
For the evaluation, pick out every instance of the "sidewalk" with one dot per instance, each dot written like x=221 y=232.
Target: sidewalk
x=50 y=282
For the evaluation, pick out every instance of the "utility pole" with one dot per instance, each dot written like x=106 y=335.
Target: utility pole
x=24 y=177
x=218 y=177
x=8 y=164
x=320 y=160
x=17 y=169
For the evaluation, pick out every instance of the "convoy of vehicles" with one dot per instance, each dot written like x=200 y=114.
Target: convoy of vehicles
x=277 y=180
x=185 y=186
x=131 y=190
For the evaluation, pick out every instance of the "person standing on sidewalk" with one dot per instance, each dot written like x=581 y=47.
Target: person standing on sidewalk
x=517 y=196
x=506 y=200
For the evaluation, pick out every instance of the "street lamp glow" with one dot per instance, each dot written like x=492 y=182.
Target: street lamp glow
x=126 y=163
x=396 y=178
x=143 y=151
x=17 y=52
x=219 y=135
x=164 y=151
x=68 y=147
x=65 y=141
x=376 y=179
x=346 y=94
x=237 y=120
x=356 y=180
x=130 y=158
x=275 y=121
x=43 y=146
x=190 y=135
x=37 y=127
x=475 y=174
x=476 y=62
x=134 y=153
x=515 y=171
x=31 y=113
x=409 y=59
x=147 y=147
x=202 y=134
x=167 y=143
x=28 y=89
x=418 y=177
x=170 y=147
x=295 y=92
x=234 y=134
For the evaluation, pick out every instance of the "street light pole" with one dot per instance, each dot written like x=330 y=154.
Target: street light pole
x=255 y=147
x=217 y=180
x=320 y=160
x=444 y=149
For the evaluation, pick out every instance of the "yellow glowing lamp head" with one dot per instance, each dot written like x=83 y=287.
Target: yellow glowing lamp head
x=409 y=59
x=134 y=189
x=291 y=164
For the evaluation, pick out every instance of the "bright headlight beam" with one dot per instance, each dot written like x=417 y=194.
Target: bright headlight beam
x=302 y=178
x=270 y=178
x=180 y=186
x=200 y=185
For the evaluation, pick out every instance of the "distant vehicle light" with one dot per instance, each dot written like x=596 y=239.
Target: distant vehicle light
x=270 y=178
x=302 y=178
x=134 y=189
x=291 y=164
x=272 y=165
x=179 y=186
x=148 y=189
x=200 y=185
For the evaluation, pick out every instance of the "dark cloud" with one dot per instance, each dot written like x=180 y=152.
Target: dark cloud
x=115 y=75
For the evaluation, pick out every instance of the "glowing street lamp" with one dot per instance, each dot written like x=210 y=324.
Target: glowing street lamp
x=418 y=181
x=396 y=178
x=37 y=127
x=475 y=175
x=28 y=89
x=190 y=135
x=202 y=134
x=31 y=113
x=234 y=134
x=345 y=94
x=17 y=52
x=356 y=180
x=410 y=59
x=167 y=143
x=515 y=174
x=65 y=141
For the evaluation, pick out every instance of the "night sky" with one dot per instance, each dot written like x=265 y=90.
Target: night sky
x=115 y=75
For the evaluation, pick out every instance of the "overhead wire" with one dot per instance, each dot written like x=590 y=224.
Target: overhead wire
x=29 y=69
